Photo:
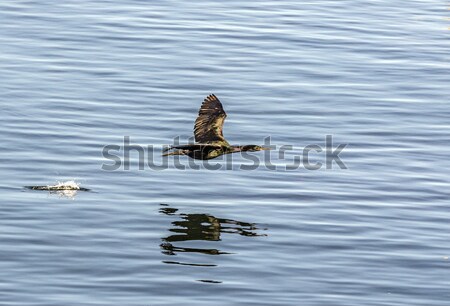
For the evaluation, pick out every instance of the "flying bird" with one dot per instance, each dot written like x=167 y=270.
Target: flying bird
x=209 y=140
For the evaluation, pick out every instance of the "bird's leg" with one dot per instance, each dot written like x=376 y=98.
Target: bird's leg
x=177 y=152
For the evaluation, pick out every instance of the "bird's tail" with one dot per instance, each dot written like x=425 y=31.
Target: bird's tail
x=167 y=148
x=177 y=152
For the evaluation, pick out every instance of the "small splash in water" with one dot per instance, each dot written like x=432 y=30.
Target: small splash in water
x=68 y=185
x=66 y=189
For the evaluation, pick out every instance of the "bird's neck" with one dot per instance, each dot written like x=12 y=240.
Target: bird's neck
x=236 y=149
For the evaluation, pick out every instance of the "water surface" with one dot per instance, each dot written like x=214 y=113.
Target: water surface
x=79 y=75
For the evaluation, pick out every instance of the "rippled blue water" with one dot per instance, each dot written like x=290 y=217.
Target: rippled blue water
x=79 y=75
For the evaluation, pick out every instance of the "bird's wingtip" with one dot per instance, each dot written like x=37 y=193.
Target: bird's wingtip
x=211 y=97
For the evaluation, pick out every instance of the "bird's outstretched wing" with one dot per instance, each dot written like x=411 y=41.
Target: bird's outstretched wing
x=209 y=123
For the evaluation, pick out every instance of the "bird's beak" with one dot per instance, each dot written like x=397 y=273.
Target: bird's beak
x=265 y=148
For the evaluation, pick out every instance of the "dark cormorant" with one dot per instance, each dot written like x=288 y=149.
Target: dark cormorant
x=209 y=139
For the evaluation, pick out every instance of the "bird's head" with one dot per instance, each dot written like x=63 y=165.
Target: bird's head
x=252 y=148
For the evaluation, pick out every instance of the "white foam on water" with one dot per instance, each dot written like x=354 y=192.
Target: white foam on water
x=68 y=185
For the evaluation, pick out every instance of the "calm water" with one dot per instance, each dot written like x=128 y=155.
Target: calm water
x=79 y=75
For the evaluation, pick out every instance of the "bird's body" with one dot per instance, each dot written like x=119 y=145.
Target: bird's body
x=200 y=151
x=208 y=132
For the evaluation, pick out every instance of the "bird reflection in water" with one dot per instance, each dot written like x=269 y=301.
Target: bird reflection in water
x=201 y=227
